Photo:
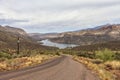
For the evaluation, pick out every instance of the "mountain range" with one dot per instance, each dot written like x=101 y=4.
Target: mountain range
x=101 y=34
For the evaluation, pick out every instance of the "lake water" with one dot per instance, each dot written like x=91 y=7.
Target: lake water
x=59 y=45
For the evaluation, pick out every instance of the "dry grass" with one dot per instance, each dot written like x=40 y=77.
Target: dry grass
x=23 y=62
x=114 y=65
x=98 y=68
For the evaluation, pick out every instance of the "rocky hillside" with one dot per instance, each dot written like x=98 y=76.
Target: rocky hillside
x=9 y=36
x=40 y=36
x=113 y=45
x=17 y=31
x=99 y=34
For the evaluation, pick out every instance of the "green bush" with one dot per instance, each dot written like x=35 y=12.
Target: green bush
x=117 y=55
x=105 y=55
x=87 y=54
x=5 y=55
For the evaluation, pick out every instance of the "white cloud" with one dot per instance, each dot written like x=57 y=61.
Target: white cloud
x=65 y=14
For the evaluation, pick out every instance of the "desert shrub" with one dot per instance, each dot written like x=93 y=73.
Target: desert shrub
x=86 y=54
x=105 y=55
x=117 y=56
x=2 y=59
x=5 y=55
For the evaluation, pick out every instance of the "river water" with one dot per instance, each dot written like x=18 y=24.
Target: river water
x=59 y=45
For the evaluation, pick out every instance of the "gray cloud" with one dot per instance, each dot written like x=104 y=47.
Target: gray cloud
x=1 y=14
x=39 y=5
x=11 y=21
x=62 y=15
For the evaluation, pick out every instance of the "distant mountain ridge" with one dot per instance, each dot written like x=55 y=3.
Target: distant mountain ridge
x=40 y=36
x=95 y=35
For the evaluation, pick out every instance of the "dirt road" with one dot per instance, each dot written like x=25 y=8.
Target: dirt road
x=63 y=68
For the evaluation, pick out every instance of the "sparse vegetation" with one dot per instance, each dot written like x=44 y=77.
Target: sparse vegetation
x=112 y=45
x=105 y=63
x=10 y=60
x=103 y=58
x=22 y=62
x=105 y=55
x=112 y=65
x=5 y=55
x=103 y=74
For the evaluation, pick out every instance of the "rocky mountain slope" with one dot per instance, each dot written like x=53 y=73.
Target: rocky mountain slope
x=113 y=45
x=17 y=31
x=96 y=35
x=9 y=36
x=40 y=36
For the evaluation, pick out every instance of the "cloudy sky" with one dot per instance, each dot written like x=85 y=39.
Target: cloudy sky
x=45 y=16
